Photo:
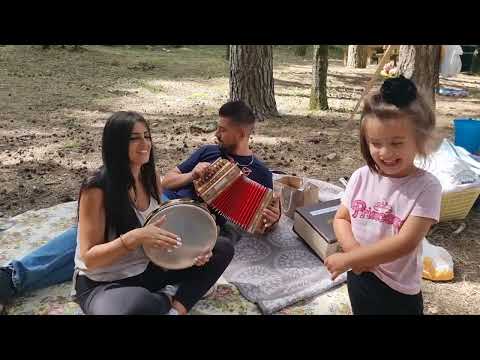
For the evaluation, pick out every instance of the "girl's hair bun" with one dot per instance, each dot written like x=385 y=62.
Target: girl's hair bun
x=399 y=91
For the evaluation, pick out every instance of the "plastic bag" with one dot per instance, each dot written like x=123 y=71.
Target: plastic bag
x=453 y=169
x=450 y=91
x=437 y=263
x=451 y=63
x=295 y=192
x=389 y=70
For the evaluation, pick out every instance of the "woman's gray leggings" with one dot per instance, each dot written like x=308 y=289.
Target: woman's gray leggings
x=139 y=295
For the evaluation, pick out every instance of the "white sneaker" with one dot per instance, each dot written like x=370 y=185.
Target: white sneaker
x=170 y=290
x=173 y=311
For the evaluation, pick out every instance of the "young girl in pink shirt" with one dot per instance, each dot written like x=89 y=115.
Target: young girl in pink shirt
x=389 y=205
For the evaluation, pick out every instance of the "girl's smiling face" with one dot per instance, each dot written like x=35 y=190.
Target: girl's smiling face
x=392 y=145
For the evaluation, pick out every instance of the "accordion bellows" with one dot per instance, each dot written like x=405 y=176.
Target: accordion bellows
x=240 y=200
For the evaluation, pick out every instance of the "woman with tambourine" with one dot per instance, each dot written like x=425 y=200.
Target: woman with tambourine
x=113 y=274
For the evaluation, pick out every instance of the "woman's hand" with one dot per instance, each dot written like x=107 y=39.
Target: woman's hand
x=203 y=259
x=154 y=236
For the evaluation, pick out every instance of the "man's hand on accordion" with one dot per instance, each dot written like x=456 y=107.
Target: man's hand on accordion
x=199 y=170
x=271 y=215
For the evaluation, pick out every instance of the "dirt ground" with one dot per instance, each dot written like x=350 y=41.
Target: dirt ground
x=53 y=104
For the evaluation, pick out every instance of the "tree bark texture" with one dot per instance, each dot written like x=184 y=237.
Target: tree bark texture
x=318 y=94
x=251 y=78
x=421 y=64
x=357 y=56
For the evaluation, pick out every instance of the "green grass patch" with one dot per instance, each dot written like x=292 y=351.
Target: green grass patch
x=151 y=87
x=192 y=61
x=69 y=145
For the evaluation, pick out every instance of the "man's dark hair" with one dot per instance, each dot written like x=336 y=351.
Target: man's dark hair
x=237 y=111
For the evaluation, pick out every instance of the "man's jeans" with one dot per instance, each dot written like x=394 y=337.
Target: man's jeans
x=50 y=264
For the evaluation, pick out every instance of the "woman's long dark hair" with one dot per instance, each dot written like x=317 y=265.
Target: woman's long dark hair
x=115 y=177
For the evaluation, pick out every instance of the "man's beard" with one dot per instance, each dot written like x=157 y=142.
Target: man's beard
x=225 y=148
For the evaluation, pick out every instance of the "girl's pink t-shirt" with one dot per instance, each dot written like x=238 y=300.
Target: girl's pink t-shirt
x=379 y=206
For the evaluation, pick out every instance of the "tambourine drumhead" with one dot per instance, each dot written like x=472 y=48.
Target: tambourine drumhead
x=190 y=221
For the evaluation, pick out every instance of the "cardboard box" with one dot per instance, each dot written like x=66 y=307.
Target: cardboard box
x=314 y=224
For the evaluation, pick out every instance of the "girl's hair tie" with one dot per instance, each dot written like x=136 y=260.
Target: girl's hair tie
x=399 y=91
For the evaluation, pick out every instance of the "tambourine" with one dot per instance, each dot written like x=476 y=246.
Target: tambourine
x=193 y=223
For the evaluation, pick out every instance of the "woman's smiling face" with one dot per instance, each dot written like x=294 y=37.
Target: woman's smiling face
x=140 y=144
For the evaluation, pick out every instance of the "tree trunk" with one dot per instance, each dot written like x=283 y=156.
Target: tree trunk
x=251 y=78
x=318 y=94
x=421 y=63
x=357 y=56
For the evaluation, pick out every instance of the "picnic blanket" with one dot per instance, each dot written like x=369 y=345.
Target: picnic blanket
x=35 y=227
x=278 y=269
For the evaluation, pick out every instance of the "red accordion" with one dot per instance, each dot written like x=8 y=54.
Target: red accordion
x=226 y=189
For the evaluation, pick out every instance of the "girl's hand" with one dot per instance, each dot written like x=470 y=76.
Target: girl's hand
x=203 y=259
x=359 y=270
x=337 y=264
x=153 y=235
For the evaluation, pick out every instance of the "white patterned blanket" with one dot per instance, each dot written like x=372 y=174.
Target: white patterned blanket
x=34 y=228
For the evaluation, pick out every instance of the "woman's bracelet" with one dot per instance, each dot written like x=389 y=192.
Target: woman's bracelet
x=124 y=243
